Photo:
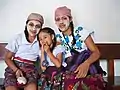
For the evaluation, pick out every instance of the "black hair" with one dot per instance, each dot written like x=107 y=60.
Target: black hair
x=72 y=32
x=26 y=31
x=51 y=32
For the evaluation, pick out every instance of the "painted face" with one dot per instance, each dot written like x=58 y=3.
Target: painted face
x=45 y=38
x=62 y=22
x=33 y=27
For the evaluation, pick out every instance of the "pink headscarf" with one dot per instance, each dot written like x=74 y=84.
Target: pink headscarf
x=36 y=16
x=63 y=11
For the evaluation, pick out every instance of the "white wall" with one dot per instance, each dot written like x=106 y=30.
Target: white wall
x=103 y=16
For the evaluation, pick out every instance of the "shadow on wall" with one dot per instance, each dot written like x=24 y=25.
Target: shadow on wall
x=2 y=62
x=2 y=68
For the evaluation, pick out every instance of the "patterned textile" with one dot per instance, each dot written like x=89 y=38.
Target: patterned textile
x=91 y=82
x=51 y=78
x=66 y=81
x=29 y=72
x=79 y=57
x=80 y=35
x=64 y=78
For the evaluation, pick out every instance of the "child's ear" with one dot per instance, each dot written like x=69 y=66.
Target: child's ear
x=53 y=37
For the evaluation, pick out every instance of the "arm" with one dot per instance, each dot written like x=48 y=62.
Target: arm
x=83 y=68
x=42 y=59
x=56 y=60
x=93 y=48
x=8 y=59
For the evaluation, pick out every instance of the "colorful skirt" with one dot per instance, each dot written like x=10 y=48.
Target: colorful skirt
x=90 y=82
x=29 y=71
x=66 y=81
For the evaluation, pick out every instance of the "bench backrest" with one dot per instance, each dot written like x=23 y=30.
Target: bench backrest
x=2 y=50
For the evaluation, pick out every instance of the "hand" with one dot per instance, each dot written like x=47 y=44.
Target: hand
x=18 y=73
x=46 y=47
x=82 y=70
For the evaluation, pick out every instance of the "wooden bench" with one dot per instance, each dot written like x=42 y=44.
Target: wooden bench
x=109 y=52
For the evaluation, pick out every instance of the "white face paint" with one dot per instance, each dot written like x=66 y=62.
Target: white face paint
x=33 y=27
x=62 y=22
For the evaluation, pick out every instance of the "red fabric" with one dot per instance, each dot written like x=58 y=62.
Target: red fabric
x=23 y=60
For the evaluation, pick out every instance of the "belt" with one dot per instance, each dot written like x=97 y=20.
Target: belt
x=23 y=60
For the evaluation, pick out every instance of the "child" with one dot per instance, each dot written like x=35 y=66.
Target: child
x=21 y=54
x=51 y=61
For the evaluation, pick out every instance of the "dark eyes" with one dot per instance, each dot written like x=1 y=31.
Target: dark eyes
x=38 y=26
x=63 y=18
x=43 y=38
x=57 y=19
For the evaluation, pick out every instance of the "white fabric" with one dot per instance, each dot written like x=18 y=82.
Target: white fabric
x=58 y=49
x=22 y=48
x=80 y=34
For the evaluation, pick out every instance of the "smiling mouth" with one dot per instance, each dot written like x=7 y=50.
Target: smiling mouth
x=62 y=26
x=34 y=31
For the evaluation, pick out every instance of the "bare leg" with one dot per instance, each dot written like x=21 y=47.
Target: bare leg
x=31 y=86
x=11 y=88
